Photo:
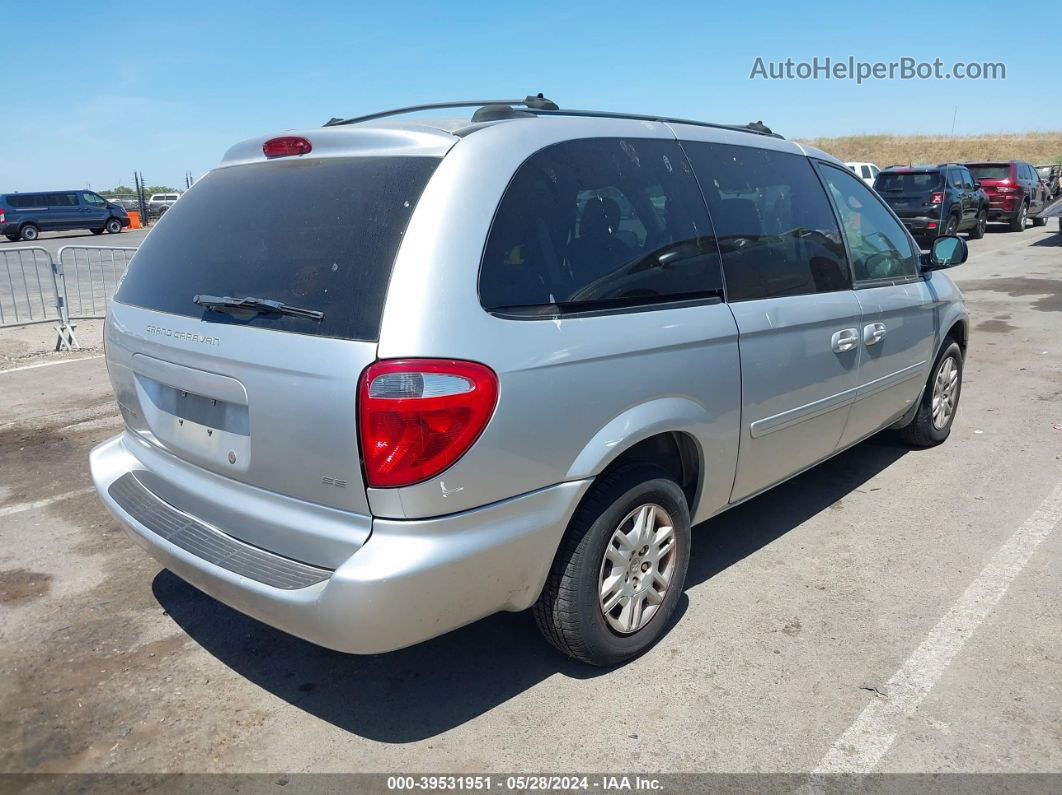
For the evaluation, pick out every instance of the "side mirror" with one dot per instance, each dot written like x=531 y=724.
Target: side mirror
x=946 y=252
x=977 y=184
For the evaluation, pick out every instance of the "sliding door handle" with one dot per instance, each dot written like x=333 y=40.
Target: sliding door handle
x=844 y=340
x=873 y=333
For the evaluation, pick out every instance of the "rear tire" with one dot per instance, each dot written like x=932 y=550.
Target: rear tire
x=29 y=233
x=932 y=422
x=1017 y=223
x=616 y=545
x=952 y=226
x=979 y=228
x=114 y=226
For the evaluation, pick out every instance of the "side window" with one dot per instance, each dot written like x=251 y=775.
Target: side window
x=954 y=177
x=866 y=172
x=776 y=230
x=92 y=200
x=874 y=170
x=597 y=223
x=879 y=246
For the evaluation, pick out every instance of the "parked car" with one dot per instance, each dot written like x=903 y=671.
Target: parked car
x=161 y=202
x=865 y=171
x=1014 y=190
x=579 y=388
x=1052 y=177
x=126 y=201
x=25 y=215
x=935 y=200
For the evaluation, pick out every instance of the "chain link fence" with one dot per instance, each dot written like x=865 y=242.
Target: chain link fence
x=76 y=284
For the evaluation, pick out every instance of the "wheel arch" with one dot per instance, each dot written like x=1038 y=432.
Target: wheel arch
x=654 y=432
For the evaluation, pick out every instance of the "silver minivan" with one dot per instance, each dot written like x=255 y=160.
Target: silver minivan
x=384 y=378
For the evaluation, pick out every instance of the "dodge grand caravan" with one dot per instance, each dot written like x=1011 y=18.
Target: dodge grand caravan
x=505 y=363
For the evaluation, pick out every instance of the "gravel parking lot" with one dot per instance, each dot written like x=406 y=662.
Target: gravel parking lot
x=892 y=608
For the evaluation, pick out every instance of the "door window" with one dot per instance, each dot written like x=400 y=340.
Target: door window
x=93 y=200
x=776 y=231
x=598 y=224
x=879 y=246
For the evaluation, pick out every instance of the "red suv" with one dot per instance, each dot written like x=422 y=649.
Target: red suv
x=1014 y=191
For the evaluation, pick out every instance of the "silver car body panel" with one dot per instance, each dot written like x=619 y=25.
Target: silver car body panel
x=415 y=580
x=755 y=387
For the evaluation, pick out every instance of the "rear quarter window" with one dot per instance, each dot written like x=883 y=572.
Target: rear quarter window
x=317 y=233
x=599 y=224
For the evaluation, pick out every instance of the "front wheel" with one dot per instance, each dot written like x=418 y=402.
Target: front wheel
x=940 y=400
x=979 y=228
x=620 y=569
x=1039 y=221
x=114 y=226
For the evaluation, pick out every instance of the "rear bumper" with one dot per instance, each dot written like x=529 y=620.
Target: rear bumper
x=919 y=225
x=410 y=581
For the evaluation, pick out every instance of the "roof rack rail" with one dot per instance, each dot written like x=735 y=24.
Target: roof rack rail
x=536 y=102
x=490 y=109
x=757 y=127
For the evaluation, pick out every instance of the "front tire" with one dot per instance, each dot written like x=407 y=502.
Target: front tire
x=979 y=228
x=114 y=226
x=620 y=569
x=1039 y=221
x=932 y=422
x=29 y=233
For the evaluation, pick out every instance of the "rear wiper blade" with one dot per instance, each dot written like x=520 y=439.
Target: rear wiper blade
x=221 y=303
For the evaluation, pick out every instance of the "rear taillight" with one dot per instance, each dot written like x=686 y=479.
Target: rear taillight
x=3 y=218
x=936 y=198
x=417 y=417
x=286 y=146
x=1004 y=189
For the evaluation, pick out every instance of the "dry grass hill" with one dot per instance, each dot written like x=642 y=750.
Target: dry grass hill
x=887 y=150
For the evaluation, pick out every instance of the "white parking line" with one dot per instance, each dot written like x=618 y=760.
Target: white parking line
x=49 y=364
x=32 y=506
x=867 y=740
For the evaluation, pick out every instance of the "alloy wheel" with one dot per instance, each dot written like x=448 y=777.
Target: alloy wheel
x=945 y=389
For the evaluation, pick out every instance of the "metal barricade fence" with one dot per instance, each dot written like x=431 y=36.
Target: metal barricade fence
x=90 y=276
x=77 y=284
x=29 y=290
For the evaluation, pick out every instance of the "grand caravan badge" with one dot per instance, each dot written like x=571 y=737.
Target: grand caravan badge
x=184 y=336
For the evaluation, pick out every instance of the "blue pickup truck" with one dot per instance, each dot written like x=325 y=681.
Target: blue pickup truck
x=23 y=216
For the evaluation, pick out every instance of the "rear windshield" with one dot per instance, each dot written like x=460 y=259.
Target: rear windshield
x=990 y=171
x=915 y=182
x=317 y=234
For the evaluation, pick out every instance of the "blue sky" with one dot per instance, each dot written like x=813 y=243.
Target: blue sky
x=166 y=87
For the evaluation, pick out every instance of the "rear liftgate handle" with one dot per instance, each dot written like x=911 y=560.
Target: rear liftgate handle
x=844 y=340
